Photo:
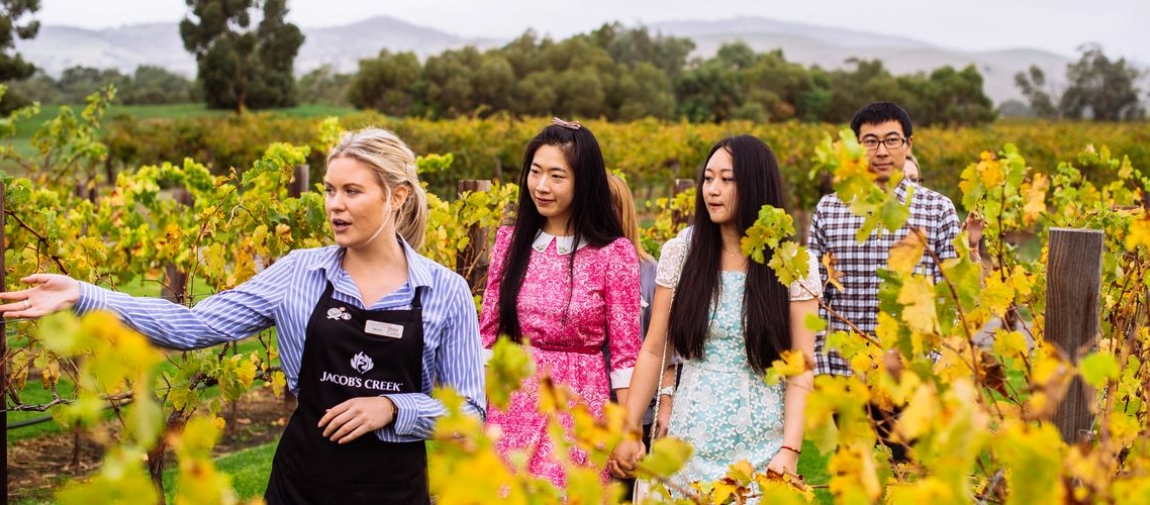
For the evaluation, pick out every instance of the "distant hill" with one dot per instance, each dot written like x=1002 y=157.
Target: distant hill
x=125 y=48
x=59 y=47
x=763 y=26
x=56 y=48
x=343 y=46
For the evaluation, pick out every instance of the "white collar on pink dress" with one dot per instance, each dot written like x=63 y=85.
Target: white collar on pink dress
x=562 y=244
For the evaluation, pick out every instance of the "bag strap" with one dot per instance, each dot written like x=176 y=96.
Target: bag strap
x=659 y=383
x=636 y=493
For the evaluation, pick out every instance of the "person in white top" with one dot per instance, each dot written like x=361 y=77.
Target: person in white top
x=728 y=318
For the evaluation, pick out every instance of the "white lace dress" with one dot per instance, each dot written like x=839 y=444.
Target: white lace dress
x=722 y=407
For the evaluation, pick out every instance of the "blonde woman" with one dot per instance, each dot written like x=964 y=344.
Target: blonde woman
x=363 y=326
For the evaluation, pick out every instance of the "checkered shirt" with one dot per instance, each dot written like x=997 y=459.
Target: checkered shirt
x=833 y=229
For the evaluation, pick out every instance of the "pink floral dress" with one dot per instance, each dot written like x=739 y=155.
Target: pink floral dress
x=604 y=308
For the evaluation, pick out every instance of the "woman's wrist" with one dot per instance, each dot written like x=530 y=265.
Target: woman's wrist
x=635 y=428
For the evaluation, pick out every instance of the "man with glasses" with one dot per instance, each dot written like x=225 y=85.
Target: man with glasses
x=885 y=130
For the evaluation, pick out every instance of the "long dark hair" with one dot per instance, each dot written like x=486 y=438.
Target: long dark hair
x=766 y=301
x=592 y=220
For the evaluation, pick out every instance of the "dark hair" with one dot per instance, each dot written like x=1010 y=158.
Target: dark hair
x=881 y=112
x=766 y=301
x=592 y=220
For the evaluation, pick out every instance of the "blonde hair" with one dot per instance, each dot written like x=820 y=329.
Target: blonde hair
x=625 y=208
x=394 y=165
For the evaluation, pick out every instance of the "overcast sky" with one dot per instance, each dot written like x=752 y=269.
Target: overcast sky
x=1121 y=26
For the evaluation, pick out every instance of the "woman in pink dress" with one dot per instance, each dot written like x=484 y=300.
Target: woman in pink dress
x=574 y=278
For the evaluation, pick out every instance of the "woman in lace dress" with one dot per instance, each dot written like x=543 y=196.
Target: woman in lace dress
x=565 y=280
x=728 y=318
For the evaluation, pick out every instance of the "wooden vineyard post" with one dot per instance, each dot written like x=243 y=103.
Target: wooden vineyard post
x=1073 y=287
x=175 y=286
x=472 y=261
x=300 y=181
x=299 y=185
x=677 y=217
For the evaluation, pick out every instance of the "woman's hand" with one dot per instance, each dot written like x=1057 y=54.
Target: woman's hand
x=785 y=462
x=51 y=293
x=624 y=458
x=353 y=418
x=663 y=416
x=974 y=225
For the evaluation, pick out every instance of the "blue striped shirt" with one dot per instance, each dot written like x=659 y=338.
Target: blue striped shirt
x=285 y=295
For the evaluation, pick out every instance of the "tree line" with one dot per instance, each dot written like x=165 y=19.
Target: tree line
x=625 y=74
x=147 y=85
x=1098 y=88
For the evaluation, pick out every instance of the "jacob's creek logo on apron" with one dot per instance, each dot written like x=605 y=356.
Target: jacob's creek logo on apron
x=361 y=363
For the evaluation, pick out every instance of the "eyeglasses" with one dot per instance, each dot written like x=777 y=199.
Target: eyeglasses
x=871 y=144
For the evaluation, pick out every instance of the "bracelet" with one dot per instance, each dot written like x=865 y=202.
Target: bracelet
x=792 y=449
x=667 y=391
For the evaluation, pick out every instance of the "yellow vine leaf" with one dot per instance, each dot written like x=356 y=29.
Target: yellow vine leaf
x=833 y=276
x=917 y=294
x=584 y=486
x=854 y=477
x=722 y=491
x=667 y=456
x=789 y=364
x=1124 y=429
x=120 y=479
x=784 y=489
x=279 y=381
x=997 y=295
x=1035 y=196
x=887 y=330
x=1033 y=456
x=741 y=472
x=510 y=364
x=931 y=490
x=1021 y=282
x=865 y=361
x=990 y=172
x=906 y=253
x=815 y=323
x=1139 y=233
x=1098 y=368
x=1009 y=344
x=920 y=413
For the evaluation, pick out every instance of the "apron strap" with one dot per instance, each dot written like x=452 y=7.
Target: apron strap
x=417 y=299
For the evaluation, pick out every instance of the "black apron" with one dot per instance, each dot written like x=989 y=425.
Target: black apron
x=349 y=353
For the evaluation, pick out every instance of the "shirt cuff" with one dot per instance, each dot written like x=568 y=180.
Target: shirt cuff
x=92 y=298
x=407 y=412
x=621 y=378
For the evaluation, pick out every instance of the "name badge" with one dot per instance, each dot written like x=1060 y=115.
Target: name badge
x=384 y=329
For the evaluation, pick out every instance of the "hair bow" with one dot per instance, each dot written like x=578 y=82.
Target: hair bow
x=570 y=125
